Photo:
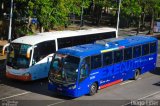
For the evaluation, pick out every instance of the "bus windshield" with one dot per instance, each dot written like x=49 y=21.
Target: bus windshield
x=64 y=68
x=17 y=56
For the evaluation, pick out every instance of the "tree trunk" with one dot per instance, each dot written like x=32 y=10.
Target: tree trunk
x=99 y=17
x=29 y=22
x=143 y=21
x=139 y=24
x=152 y=23
x=41 y=29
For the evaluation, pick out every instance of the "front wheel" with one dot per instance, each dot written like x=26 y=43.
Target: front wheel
x=136 y=74
x=93 y=89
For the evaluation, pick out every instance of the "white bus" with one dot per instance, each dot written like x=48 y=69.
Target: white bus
x=29 y=56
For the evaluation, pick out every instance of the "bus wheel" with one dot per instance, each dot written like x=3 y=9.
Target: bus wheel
x=93 y=89
x=136 y=74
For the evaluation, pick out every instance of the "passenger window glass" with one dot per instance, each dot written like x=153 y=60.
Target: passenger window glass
x=153 y=47
x=145 y=49
x=64 y=42
x=78 y=40
x=96 y=61
x=136 y=51
x=107 y=58
x=118 y=56
x=127 y=53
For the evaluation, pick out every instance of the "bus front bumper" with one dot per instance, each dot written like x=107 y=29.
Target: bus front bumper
x=18 y=77
x=62 y=91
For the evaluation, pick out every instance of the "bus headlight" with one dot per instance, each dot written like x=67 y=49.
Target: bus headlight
x=8 y=69
x=26 y=74
x=72 y=87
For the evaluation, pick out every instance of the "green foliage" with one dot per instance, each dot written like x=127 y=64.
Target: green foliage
x=54 y=12
x=23 y=30
x=152 y=6
x=103 y=3
x=131 y=8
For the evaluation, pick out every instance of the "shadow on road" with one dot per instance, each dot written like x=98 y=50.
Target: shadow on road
x=157 y=84
x=156 y=71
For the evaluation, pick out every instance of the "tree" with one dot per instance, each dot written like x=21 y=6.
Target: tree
x=53 y=12
x=152 y=7
x=98 y=6
x=132 y=8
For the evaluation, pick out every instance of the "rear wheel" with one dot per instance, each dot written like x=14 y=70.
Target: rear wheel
x=93 y=89
x=136 y=74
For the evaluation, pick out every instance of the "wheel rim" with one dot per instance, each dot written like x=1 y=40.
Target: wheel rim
x=93 y=88
x=136 y=74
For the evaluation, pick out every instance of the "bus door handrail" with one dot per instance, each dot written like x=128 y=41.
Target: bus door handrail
x=4 y=47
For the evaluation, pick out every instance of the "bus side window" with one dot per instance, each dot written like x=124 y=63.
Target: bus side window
x=64 y=42
x=153 y=47
x=96 y=61
x=145 y=49
x=136 y=51
x=107 y=58
x=77 y=40
x=107 y=35
x=128 y=53
x=118 y=56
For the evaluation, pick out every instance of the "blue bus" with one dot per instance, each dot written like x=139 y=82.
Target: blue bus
x=84 y=69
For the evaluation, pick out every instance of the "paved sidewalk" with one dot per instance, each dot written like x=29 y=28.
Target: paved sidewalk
x=2 y=43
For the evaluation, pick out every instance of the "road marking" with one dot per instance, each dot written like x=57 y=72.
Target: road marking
x=143 y=97
x=129 y=81
x=126 y=82
x=149 y=95
x=56 y=103
x=14 y=95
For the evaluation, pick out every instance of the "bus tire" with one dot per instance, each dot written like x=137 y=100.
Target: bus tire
x=93 y=89
x=136 y=74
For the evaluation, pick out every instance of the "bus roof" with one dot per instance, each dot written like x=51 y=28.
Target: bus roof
x=109 y=45
x=46 y=36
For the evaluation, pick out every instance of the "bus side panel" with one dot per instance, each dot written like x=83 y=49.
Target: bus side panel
x=148 y=63
x=145 y=64
x=94 y=77
x=125 y=70
x=83 y=87
x=111 y=75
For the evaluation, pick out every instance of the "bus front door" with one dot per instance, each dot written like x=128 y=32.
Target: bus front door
x=83 y=86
